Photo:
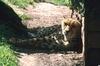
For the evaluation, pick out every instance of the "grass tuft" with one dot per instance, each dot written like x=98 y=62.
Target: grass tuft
x=7 y=55
x=20 y=3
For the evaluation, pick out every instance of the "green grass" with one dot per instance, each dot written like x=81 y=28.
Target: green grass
x=7 y=55
x=25 y=16
x=61 y=2
x=20 y=3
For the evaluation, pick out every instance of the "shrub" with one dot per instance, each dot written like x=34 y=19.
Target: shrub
x=77 y=5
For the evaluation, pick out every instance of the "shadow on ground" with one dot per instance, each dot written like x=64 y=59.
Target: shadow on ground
x=47 y=40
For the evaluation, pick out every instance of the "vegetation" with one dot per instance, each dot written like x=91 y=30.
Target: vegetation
x=20 y=3
x=7 y=55
x=77 y=5
x=61 y=2
x=25 y=16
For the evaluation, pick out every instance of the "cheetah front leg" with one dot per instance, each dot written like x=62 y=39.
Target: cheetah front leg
x=64 y=30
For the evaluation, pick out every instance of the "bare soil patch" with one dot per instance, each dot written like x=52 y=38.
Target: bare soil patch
x=53 y=59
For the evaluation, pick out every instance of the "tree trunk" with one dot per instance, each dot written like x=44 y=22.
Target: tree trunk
x=92 y=32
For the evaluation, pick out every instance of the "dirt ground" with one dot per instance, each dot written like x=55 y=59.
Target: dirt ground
x=51 y=59
x=47 y=15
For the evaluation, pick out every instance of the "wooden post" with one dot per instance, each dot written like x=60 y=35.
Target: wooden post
x=92 y=33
